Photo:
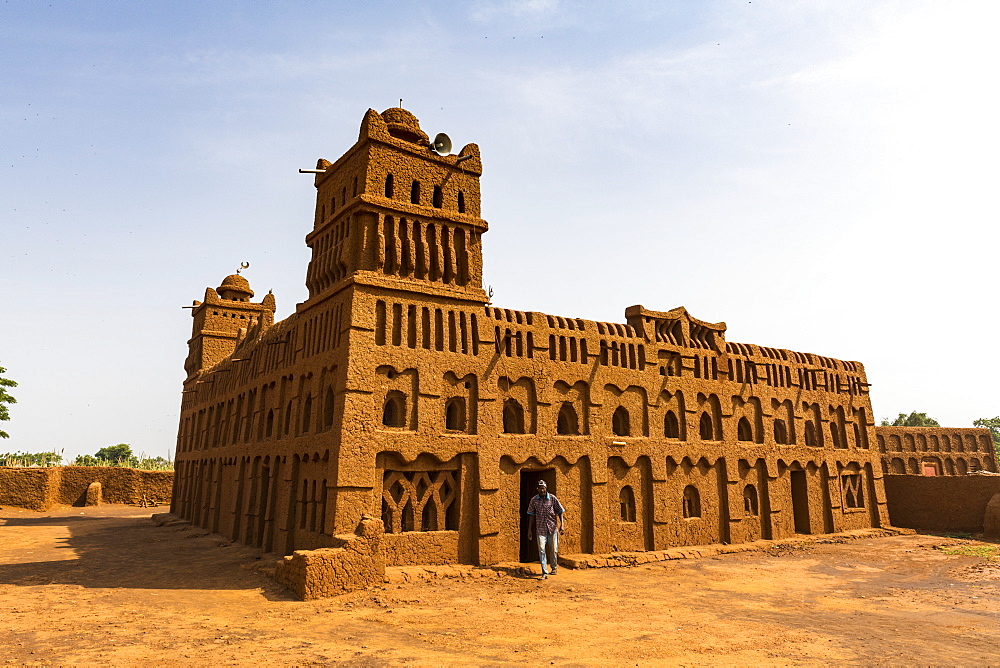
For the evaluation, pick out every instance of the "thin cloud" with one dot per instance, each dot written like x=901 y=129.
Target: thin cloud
x=485 y=11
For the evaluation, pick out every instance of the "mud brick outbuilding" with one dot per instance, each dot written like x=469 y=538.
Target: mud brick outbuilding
x=398 y=391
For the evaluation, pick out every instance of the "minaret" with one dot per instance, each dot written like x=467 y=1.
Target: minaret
x=222 y=320
x=393 y=213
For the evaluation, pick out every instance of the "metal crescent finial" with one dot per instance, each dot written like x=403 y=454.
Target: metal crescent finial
x=243 y=265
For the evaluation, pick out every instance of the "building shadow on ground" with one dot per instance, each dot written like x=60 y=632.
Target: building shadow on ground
x=101 y=551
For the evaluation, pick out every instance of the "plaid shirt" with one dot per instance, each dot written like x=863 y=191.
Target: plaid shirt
x=545 y=511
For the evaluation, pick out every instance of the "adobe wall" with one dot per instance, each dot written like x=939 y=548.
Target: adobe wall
x=781 y=426
x=935 y=450
x=31 y=488
x=420 y=547
x=43 y=488
x=945 y=503
x=355 y=562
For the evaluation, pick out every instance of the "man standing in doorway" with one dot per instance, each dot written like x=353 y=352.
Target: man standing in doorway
x=545 y=520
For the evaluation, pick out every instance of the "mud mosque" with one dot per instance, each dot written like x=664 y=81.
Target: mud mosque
x=398 y=391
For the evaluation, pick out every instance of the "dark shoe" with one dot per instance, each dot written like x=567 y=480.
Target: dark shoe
x=552 y=572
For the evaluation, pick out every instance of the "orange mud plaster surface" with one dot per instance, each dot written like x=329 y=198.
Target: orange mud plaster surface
x=398 y=391
x=103 y=585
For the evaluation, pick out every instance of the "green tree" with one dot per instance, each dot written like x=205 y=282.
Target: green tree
x=993 y=424
x=117 y=455
x=914 y=419
x=5 y=399
x=87 y=460
x=154 y=464
x=30 y=459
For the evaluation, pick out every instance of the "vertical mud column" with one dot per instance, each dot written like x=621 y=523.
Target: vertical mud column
x=204 y=494
x=738 y=531
x=819 y=499
x=833 y=504
x=659 y=491
x=216 y=505
x=271 y=508
x=782 y=516
x=284 y=540
x=176 y=495
x=600 y=505
x=351 y=487
x=572 y=497
x=257 y=510
x=876 y=497
x=491 y=517
x=235 y=513
x=764 y=495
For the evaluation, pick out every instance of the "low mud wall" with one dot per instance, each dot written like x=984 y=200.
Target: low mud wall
x=420 y=547
x=939 y=503
x=354 y=563
x=43 y=488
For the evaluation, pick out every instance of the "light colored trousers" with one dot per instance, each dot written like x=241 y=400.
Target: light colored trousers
x=548 y=542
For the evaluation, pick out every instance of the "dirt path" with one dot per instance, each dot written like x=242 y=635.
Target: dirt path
x=103 y=585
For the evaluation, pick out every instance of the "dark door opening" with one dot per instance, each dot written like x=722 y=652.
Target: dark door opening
x=800 y=502
x=529 y=480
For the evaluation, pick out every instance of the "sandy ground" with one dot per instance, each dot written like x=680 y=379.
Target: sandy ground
x=103 y=585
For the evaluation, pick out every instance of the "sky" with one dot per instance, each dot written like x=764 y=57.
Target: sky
x=819 y=175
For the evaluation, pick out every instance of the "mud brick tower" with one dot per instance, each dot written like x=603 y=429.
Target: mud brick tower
x=397 y=390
